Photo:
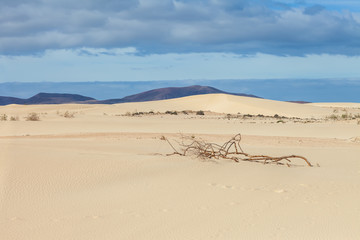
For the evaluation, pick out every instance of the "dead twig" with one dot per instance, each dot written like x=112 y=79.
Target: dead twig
x=230 y=150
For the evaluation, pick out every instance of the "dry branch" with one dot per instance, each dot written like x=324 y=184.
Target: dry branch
x=229 y=150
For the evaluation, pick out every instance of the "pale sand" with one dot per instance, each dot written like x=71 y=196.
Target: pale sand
x=336 y=105
x=104 y=176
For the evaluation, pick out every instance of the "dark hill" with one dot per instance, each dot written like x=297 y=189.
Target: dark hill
x=169 y=93
x=10 y=100
x=47 y=98
x=300 y=102
x=56 y=98
x=152 y=95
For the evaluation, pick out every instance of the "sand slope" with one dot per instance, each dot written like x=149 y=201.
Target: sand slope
x=336 y=105
x=221 y=103
x=224 y=103
x=101 y=175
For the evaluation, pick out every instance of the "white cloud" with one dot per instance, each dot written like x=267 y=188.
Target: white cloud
x=106 y=51
x=182 y=26
x=124 y=65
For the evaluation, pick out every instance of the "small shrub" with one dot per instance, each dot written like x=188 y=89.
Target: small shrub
x=185 y=112
x=248 y=116
x=68 y=114
x=3 y=117
x=276 y=116
x=33 y=117
x=171 y=112
x=200 y=112
x=280 y=121
x=137 y=113
x=333 y=117
x=344 y=116
x=12 y=118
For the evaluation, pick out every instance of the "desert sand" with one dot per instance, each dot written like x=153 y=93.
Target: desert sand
x=102 y=171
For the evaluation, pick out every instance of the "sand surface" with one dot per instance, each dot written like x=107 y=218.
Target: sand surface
x=336 y=105
x=104 y=175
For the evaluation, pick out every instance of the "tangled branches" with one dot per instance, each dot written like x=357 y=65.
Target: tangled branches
x=229 y=150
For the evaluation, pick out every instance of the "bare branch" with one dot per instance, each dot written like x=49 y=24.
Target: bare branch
x=230 y=150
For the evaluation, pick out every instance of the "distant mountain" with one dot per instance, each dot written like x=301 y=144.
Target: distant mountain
x=47 y=98
x=10 y=100
x=300 y=102
x=152 y=95
x=169 y=93
x=57 y=98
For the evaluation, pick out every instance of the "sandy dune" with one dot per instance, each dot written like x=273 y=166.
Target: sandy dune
x=221 y=103
x=336 y=105
x=102 y=175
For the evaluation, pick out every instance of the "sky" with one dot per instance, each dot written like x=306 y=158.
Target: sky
x=147 y=40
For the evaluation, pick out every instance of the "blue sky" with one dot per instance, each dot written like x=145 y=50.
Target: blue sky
x=143 y=40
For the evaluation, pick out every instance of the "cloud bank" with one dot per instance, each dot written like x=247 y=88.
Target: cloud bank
x=116 y=64
x=181 y=26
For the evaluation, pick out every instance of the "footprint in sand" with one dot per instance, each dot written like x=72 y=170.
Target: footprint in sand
x=203 y=208
x=279 y=191
x=164 y=210
x=56 y=220
x=261 y=188
x=310 y=200
x=212 y=184
x=230 y=187
x=227 y=187
x=221 y=186
x=94 y=217
x=16 y=219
